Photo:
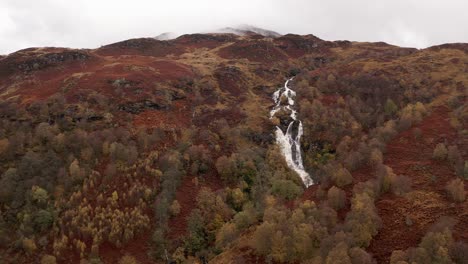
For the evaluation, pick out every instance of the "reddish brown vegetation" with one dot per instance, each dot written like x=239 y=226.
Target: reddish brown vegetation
x=215 y=104
x=255 y=51
x=142 y=46
x=413 y=158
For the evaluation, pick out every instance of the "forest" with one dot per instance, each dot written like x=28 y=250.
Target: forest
x=127 y=155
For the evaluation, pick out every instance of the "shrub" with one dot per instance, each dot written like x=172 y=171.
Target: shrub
x=376 y=157
x=456 y=190
x=401 y=184
x=417 y=133
x=440 y=152
x=175 y=208
x=385 y=177
x=390 y=107
x=453 y=155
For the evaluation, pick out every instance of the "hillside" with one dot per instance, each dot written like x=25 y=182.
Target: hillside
x=151 y=151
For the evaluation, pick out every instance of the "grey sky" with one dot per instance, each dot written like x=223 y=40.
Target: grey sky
x=92 y=23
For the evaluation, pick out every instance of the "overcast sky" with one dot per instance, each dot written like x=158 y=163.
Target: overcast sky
x=92 y=23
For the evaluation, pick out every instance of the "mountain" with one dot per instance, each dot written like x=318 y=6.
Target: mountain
x=243 y=30
x=194 y=150
x=166 y=36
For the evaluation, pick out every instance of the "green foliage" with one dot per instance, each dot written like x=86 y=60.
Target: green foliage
x=39 y=195
x=245 y=218
x=196 y=239
x=159 y=244
x=322 y=155
x=43 y=220
x=286 y=189
x=60 y=145
x=390 y=107
x=289 y=236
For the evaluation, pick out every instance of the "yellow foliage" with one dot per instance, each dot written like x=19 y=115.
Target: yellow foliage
x=29 y=245
x=115 y=196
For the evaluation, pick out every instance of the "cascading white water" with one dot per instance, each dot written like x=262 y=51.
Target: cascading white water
x=290 y=145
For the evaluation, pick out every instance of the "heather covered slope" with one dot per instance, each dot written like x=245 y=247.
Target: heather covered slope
x=148 y=151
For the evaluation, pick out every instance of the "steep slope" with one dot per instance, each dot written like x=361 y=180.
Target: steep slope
x=165 y=150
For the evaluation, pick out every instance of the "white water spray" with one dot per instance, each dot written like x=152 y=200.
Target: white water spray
x=290 y=145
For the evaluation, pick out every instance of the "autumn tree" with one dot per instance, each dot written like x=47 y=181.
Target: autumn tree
x=286 y=189
x=48 y=259
x=456 y=190
x=440 y=152
x=175 y=208
x=340 y=176
x=227 y=168
x=336 y=198
x=362 y=222
x=128 y=259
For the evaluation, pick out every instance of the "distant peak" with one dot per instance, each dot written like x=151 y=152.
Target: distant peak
x=243 y=30
x=166 y=36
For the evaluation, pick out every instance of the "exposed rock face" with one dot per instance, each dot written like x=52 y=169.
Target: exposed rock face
x=25 y=63
x=138 y=107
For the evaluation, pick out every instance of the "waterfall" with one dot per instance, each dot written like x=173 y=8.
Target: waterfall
x=289 y=141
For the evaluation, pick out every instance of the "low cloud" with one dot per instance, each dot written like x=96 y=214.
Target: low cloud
x=90 y=23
